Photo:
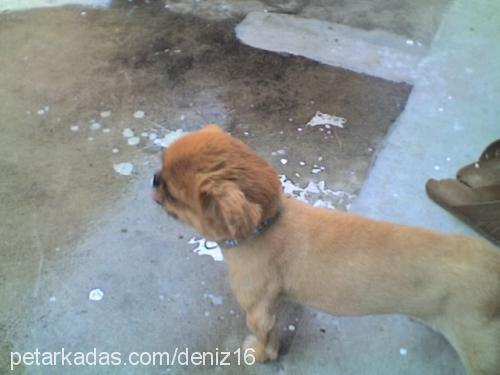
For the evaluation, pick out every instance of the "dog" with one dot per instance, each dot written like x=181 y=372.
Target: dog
x=277 y=247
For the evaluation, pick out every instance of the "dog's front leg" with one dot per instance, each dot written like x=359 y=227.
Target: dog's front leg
x=264 y=341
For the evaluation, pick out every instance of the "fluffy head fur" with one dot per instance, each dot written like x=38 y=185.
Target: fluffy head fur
x=217 y=184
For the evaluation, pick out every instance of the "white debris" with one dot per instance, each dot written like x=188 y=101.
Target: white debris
x=302 y=163
x=291 y=328
x=52 y=299
x=324 y=204
x=299 y=129
x=183 y=117
x=139 y=114
x=281 y=152
x=410 y=42
x=170 y=138
x=74 y=128
x=316 y=193
x=127 y=133
x=90 y=139
x=144 y=134
x=105 y=114
x=40 y=112
x=326 y=119
x=133 y=141
x=214 y=299
x=125 y=169
x=106 y=130
x=283 y=161
x=206 y=247
x=440 y=109
x=115 y=151
x=207 y=313
x=437 y=167
x=403 y=351
x=95 y=126
x=316 y=170
x=96 y=294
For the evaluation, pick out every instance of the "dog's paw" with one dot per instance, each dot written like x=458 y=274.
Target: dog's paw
x=259 y=351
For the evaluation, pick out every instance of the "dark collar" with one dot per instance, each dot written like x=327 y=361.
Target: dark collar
x=261 y=228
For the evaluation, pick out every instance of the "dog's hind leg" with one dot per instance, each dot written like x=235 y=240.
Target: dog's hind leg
x=478 y=347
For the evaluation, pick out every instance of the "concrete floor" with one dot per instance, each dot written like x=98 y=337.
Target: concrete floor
x=70 y=223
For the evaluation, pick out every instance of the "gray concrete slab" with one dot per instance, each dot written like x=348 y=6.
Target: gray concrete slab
x=410 y=19
x=375 y=53
x=70 y=224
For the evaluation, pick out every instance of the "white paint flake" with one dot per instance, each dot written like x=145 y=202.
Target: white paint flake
x=316 y=193
x=74 y=128
x=127 y=133
x=95 y=126
x=206 y=247
x=213 y=298
x=139 y=114
x=403 y=351
x=105 y=114
x=326 y=119
x=125 y=169
x=133 y=141
x=96 y=294
x=169 y=138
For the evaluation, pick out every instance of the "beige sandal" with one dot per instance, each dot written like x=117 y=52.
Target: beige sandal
x=479 y=207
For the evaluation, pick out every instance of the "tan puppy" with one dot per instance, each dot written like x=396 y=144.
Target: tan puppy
x=337 y=262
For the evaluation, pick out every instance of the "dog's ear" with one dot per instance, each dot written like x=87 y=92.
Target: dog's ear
x=228 y=211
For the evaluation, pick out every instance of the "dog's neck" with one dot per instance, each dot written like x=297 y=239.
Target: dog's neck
x=258 y=230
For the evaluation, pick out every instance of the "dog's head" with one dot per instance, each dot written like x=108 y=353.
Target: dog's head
x=217 y=184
